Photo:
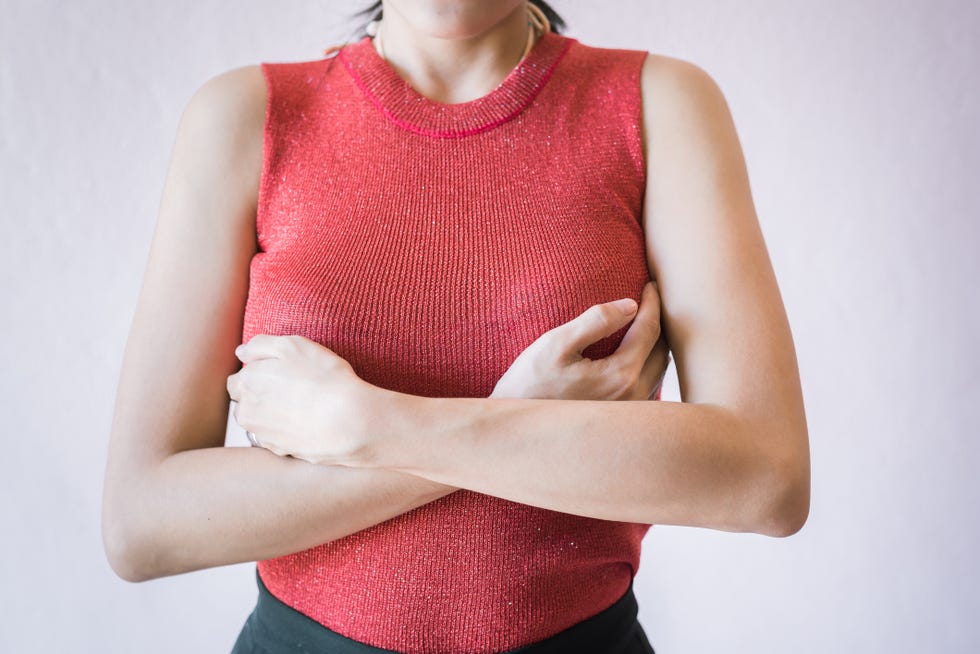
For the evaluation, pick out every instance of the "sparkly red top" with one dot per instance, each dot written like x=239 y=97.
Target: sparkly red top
x=429 y=244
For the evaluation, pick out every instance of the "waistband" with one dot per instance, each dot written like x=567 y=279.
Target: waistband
x=274 y=624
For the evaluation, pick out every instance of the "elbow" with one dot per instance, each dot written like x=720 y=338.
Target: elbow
x=120 y=542
x=787 y=504
x=789 y=518
x=120 y=557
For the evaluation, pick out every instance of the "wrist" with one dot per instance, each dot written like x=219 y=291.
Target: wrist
x=389 y=419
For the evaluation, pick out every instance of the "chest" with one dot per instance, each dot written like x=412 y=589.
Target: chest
x=432 y=268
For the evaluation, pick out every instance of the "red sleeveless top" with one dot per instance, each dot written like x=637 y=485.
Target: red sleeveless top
x=429 y=244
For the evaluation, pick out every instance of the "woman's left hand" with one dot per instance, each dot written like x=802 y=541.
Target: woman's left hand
x=301 y=399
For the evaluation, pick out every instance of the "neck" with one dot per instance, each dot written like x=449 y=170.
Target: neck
x=453 y=70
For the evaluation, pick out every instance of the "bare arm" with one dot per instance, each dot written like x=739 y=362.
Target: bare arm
x=208 y=507
x=176 y=500
x=734 y=454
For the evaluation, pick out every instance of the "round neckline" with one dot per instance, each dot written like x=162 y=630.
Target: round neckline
x=401 y=103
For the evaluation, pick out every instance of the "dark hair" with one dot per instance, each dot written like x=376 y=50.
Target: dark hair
x=374 y=13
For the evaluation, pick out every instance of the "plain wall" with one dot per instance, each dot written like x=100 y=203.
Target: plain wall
x=859 y=125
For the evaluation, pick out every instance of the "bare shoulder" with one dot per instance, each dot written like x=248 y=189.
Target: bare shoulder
x=671 y=83
x=681 y=98
x=237 y=94
x=658 y=67
x=223 y=123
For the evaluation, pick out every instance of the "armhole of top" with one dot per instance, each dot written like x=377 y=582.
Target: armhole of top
x=267 y=151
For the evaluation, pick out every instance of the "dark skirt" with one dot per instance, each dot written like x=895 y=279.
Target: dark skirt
x=274 y=627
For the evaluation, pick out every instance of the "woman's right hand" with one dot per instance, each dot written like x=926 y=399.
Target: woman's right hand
x=553 y=367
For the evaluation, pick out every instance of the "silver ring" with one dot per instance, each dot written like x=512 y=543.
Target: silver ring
x=251 y=439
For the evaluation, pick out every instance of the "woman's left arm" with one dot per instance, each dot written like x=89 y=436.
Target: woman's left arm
x=733 y=455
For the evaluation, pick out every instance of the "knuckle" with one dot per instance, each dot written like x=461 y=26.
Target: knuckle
x=602 y=312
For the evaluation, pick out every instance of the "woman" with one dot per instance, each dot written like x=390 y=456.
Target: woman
x=437 y=248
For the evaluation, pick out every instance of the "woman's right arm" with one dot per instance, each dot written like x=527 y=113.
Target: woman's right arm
x=175 y=499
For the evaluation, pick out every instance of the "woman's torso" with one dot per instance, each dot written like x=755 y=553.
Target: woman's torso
x=429 y=245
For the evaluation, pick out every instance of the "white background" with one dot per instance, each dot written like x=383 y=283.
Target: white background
x=859 y=125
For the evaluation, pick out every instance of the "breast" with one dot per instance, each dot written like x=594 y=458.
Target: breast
x=430 y=277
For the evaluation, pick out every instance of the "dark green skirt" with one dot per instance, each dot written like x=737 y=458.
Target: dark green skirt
x=274 y=627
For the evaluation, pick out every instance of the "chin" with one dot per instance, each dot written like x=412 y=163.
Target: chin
x=453 y=19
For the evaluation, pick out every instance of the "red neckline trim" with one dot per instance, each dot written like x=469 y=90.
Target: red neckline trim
x=408 y=108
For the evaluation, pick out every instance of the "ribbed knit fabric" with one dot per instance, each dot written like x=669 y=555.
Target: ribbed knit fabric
x=429 y=244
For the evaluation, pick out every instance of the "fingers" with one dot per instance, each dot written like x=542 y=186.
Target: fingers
x=248 y=375
x=642 y=334
x=268 y=346
x=594 y=324
x=260 y=346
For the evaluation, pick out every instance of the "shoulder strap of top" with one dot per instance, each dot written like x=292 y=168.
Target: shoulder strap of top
x=604 y=87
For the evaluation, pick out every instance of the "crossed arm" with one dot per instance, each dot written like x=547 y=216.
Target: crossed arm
x=637 y=461
x=733 y=455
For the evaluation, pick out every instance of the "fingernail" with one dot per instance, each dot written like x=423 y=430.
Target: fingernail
x=626 y=305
